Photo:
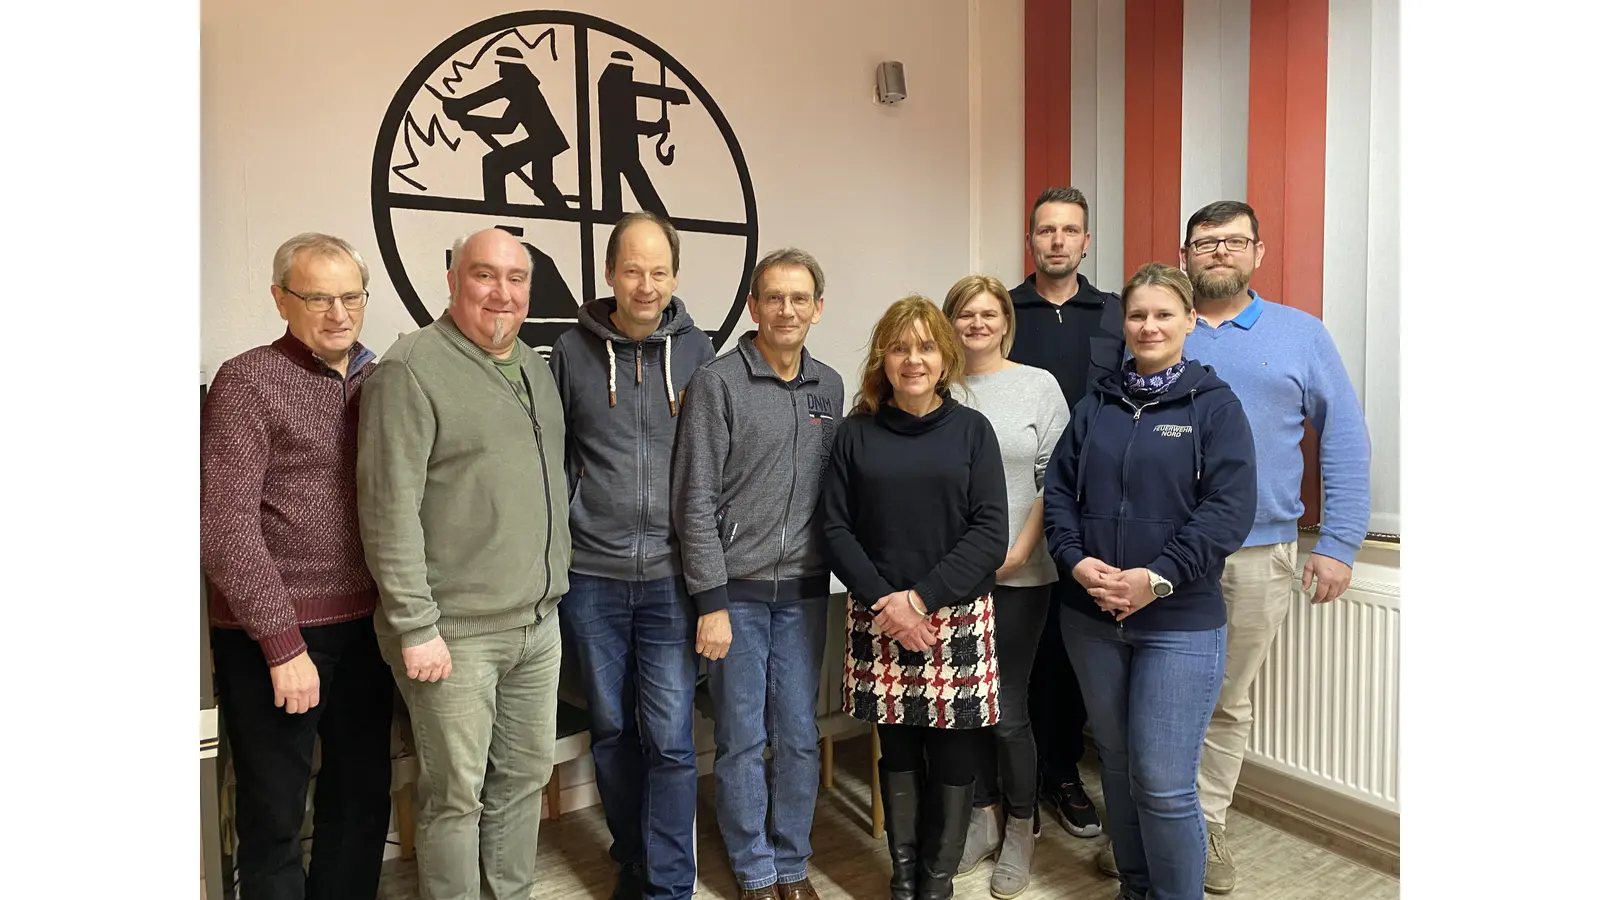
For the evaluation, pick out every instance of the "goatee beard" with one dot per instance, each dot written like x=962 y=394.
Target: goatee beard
x=1216 y=284
x=499 y=336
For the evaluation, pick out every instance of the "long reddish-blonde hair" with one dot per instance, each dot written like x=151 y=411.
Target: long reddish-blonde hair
x=901 y=316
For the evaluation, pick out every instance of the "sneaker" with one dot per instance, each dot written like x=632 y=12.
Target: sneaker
x=630 y=883
x=1106 y=861
x=1074 y=808
x=1220 y=874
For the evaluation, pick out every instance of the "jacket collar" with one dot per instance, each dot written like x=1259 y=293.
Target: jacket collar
x=298 y=353
x=759 y=366
x=1087 y=295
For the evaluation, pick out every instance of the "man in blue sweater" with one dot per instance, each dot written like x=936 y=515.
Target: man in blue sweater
x=1284 y=367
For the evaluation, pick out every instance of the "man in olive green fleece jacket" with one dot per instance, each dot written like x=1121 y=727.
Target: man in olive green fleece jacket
x=463 y=507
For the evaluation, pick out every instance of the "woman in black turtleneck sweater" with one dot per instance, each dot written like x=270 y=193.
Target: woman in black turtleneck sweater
x=914 y=523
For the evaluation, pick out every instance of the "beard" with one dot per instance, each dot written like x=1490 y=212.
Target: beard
x=499 y=337
x=1061 y=270
x=1223 y=281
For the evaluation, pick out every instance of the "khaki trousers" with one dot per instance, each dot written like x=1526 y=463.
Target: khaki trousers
x=1257 y=585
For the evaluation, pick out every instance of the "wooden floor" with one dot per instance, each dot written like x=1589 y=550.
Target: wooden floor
x=848 y=863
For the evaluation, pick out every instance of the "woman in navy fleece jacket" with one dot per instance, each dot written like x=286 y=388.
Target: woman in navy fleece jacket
x=1143 y=501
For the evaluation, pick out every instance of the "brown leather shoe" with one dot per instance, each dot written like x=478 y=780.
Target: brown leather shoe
x=767 y=893
x=797 y=890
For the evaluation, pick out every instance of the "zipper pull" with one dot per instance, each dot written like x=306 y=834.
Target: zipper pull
x=638 y=364
x=1059 y=320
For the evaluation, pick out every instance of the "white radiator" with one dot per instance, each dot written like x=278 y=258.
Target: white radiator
x=1327 y=702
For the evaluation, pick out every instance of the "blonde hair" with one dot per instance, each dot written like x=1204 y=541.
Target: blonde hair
x=1161 y=275
x=963 y=292
x=903 y=315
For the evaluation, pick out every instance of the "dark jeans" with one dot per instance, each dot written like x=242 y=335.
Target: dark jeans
x=272 y=752
x=1009 y=766
x=1150 y=695
x=765 y=695
x=635 y=646
x=1055 y=702
x=951 y=755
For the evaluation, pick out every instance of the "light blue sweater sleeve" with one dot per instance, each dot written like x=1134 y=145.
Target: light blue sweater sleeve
x=1345 y=449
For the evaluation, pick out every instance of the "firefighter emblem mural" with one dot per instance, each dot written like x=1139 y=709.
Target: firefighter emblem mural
x=552 y=125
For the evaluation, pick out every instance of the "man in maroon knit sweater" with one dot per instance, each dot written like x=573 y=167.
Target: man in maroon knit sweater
x=291 y=598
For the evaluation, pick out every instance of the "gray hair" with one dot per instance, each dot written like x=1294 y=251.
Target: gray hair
x=325 y=245
x=455 y=249
x=788 y=256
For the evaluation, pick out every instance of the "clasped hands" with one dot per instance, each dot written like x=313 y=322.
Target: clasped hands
x=1117 y=591
x=899 y=618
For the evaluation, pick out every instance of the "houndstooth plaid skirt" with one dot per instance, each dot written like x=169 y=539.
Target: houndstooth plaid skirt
x=955 y=684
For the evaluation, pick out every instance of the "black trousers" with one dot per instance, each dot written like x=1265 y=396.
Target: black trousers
x=272 y=756
x=1009 y=770
x=1055 y=702
x=951 y=755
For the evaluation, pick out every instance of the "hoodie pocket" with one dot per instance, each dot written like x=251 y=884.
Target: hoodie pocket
x=726 y=530
x=1100 y=538
x=1143 y=540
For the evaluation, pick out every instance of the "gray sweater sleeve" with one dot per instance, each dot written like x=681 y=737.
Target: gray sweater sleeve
x=1053 y=419
x=697 y=468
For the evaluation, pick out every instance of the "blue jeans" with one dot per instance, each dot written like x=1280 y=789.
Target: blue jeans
x=1149 y=695
x=765 y=692
x=634 y=642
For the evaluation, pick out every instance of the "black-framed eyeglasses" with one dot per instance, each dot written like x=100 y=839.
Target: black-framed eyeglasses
x=1209 y=245
x=324 y=302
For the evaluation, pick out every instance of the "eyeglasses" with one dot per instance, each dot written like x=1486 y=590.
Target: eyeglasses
x=801 y=302
x=324 y=302
x=1209 y=245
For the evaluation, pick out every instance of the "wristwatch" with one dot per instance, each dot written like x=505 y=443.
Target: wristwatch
x=1160 y=586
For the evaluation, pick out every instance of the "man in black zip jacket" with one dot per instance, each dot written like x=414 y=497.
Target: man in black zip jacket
x=1074 y=331
x=756 y=433
x=621 y=372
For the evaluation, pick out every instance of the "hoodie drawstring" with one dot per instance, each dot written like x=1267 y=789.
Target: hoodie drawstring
x=638 y=371
x=1195 y=434
x=666 y=368
x=611 y=379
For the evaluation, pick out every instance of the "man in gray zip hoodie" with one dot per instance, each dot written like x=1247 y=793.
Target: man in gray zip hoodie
x=621 y=374
x=757 y=430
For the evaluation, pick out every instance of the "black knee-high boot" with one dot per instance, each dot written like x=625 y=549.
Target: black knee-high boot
x=941 y=838
x=902 y=793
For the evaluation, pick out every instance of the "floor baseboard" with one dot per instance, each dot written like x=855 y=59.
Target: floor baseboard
x=1355 y=830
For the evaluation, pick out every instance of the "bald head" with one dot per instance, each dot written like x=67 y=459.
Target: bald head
x=487 y=234
x=489 y=273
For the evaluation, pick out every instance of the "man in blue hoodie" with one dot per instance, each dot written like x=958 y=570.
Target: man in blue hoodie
x=622 y=373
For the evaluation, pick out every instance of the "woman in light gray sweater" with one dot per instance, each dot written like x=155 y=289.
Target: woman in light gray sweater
x=1029 y=414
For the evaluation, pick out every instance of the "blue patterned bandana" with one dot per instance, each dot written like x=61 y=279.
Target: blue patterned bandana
x=1143 y=387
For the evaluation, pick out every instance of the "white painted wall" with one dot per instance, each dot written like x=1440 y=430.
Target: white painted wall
x=293 y=93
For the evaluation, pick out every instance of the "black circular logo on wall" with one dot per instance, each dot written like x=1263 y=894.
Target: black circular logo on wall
x=552 y=125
